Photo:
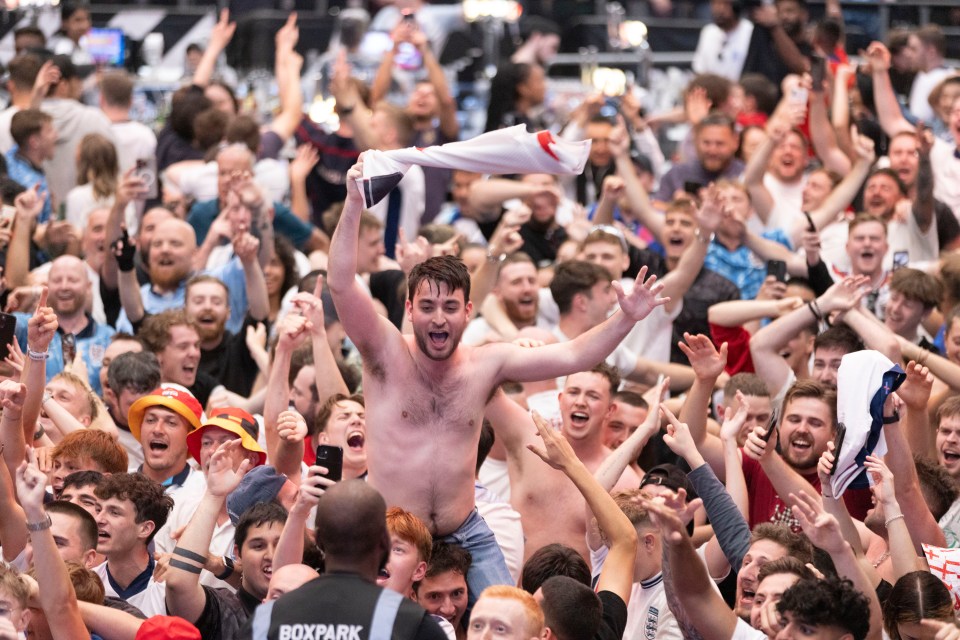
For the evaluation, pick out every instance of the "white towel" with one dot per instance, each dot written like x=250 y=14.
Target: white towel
x=864 y=381
x=511 y=150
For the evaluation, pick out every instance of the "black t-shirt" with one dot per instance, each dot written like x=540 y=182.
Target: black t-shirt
x=342 y=605
x=327 y=182
x=542 y=244
x=707 y=290
x=614 y=620
x=224 y=613
x=762 y=57
x=230 y=362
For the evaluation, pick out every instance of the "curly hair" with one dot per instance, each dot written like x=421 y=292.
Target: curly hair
x=155 y=331
x=149 y=500
x=831 y=602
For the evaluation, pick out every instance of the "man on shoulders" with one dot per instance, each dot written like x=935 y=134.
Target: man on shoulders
x=429 y=381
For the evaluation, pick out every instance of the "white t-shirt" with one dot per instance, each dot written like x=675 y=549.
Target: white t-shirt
x=788 y=202
x=722 y=52
x=6 y=140
x=923 y=83
x=135 y=141
x=946 y=174
x=647 y=613
x=149 y=597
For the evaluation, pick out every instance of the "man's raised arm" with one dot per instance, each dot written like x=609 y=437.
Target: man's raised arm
x=590 y=347
x=366 y=328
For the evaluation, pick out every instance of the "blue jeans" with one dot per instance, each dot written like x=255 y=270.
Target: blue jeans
x=488 y=566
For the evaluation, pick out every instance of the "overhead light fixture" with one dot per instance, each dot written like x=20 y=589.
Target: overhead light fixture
x=504 y=10
x=609 y=81
x=633 y=33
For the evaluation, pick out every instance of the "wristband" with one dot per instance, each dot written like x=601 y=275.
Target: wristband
x=37 y=355
x=43 y=525
x=892 y=419
x=228 y=568
x=892 y=518
x=813 y=310
x=705 y=239
x=189 y=568
x=495 y=259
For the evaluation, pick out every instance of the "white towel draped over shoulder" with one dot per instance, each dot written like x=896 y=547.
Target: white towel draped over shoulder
x=511 y=150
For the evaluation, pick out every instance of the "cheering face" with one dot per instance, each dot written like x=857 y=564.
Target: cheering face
x=620 y=423
x=444 y=595
x=439 y=317
x=760 y=552
x=866 y=247
x=346 y=429
x=163 y=436
x=880 y=195
x=904 y=159
x=816 y=190
x=403 y=568
x=770 y=590
x=517 y=288
x=584 y=403
x=789 y=159
x=806 y=428
x=948 y=445
x=208 y=306
x=716 y=145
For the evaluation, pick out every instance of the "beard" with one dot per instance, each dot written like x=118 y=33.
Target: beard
x=211 y=332
x=167 y=277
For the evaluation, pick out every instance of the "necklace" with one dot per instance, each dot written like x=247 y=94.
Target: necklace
x=883 y=556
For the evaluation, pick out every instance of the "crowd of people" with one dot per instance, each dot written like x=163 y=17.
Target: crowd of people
x=703 y=390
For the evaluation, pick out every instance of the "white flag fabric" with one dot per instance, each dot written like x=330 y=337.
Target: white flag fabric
x=511 y=150
x=864 y=381
x=945 y=564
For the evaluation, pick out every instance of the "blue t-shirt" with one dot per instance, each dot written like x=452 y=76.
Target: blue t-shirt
x=741 y=266
x=202 y=215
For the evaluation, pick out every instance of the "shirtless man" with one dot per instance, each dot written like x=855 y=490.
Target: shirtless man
x=426 y=393
x=551 y=507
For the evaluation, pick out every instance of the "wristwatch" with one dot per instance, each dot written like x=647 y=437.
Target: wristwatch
x=43 y=525
x=228 y=568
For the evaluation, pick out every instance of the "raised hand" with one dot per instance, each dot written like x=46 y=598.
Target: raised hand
x=291 y=427
x=733 y=422
x=924 y=140
x=31 y=486
x=710 y=213
x=312 y=487
x=15 y=360
x=915 y=390
x=672 y=529
x=679 y=440
x=410 y=254
x=124 y=251
x=697 y=104
x=131 y=187
x=29 y=204
x=42 y=325
x=825 y=468
x=706 y=361
x=844 y=295
x=882 y=482
x=821 y=527
x=557 y=452
x=643 y=299
x=756 y=448
x=288 y=35
x=12 y=395
x=256 y=337
x=619 y=140
x=293 y=328
x=771 y=289
x=303 y=162
x=942 y=630
x=222 y=478
x=353 y=191
x=683 y=508
x=246 y=246
x=878 y=56
x=222 y=32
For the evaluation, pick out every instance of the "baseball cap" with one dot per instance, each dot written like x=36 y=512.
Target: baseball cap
x=69 y=69
x=234 y=420
x=167 y=628
x=173 y=397
x=670 y=476
x=261 y=484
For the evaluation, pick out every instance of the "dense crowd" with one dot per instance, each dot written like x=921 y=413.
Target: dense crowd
x=702 y=386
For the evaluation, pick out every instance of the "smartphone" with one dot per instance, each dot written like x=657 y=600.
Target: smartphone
x=8 y=326
x=777 y=269
x=146 y=169
x=838 y=445
x=8 y=215
x=68 y=343
x=818 y=72
x=900 y=259
x=693 y=188
x=331 y=458
x=798 y=95
x=772 y=426
x=810 y=225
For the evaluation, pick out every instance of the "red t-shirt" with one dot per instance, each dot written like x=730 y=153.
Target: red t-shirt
x=766 y=505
